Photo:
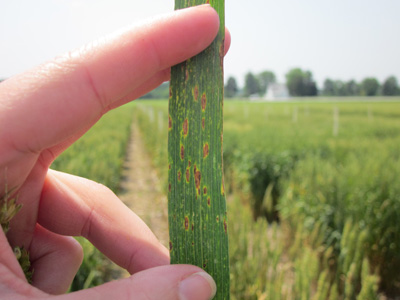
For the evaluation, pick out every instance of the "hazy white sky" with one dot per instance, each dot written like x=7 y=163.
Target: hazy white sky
x=340 y=39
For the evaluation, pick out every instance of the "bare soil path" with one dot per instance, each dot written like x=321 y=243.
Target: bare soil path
x=141 y=188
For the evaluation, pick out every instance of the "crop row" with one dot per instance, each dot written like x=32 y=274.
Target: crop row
x=316 y=202
x=99 y=156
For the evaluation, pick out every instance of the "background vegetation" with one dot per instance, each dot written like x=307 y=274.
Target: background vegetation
x=315 y=197
x=99 y=156
x=301 y=83
x=314 y=205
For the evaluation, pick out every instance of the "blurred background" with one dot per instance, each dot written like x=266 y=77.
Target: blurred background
x=341 y=40
x=311 y=137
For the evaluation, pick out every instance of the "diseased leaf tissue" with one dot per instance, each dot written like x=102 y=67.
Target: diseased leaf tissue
x=196 y=197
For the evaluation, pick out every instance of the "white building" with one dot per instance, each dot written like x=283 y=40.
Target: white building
x=277 y=91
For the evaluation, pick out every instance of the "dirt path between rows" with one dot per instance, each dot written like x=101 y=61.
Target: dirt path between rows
x=141 y=187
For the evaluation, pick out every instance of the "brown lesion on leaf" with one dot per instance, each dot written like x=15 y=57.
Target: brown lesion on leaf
x=196 y=93
x=206 y=150
x=169 y=188
x=169 y=123
x=170 y=246
x=203 y=123
x=182 y=152
x=185 y=127
x=179 y=175
x=187 y=175
x=217 y=219
x=203 y=101
x=197 y=179
x=205 y=190
x=186 y=223
x=192 y=227
x=225 y=227
x=209 y=201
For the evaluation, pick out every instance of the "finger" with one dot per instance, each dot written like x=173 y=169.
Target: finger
x=164 y=75
x=76 y=206
x=14 y=287
x=228 y=40
x=55 y=260
x=168 y=282
x=160 y=77
x=61 y=97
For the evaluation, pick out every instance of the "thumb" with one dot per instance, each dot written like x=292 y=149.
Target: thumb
x=172 y=282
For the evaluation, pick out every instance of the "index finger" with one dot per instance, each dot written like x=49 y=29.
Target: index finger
x=75 y=206
x=53 y=102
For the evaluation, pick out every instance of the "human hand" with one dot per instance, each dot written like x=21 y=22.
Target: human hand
x=44 y=111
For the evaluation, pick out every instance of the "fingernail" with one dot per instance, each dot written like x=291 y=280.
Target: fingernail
x=198 y=286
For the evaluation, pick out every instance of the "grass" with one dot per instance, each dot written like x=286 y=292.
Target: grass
x=99 y=156
x=327 y=171
x=331 y=187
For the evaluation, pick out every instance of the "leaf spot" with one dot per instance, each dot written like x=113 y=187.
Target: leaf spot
x=186 y=223
x=203 y=101
x=182 y=152
x=197 y=178
x=187 y=175
x=196 y=93
x=185 y=127
x=206 y=150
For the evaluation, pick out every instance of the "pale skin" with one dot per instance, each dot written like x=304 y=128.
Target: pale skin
x=44 y=111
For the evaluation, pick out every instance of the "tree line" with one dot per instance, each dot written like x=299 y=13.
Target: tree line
x=301 y=83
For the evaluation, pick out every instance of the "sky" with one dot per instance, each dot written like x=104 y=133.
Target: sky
x=337 y=39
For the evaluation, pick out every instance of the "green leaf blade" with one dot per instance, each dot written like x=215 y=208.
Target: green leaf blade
x=197 y=206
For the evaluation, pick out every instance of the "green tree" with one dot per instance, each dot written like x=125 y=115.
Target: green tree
x=328 y=88
x=265 y=79
x=340 y=88
x=301 y=83
x=251 y=85
x=161 y=92
x=369 y=86
x=231 y=88
x=352 y=88
x=390 y=87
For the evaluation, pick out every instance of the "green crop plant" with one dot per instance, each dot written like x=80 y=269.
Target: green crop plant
x=196 y=196
x=8 y=209
x=94 y=159
x=325 y=183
